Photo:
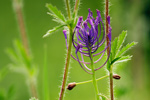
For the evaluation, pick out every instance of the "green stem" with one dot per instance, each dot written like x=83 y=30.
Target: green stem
x=66 y=70
x=91 y=80
x=66 y=66
x=21 y=24
x=108 y=49
x=32 y=87
x=94 y=78
x=111 y=82
x=76 y=7
x=68 y=9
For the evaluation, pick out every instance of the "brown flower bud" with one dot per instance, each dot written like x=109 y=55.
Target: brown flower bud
x=71 y=86
x=115 y=76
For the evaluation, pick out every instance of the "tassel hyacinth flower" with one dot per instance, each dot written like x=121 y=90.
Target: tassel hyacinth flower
x=88 y=38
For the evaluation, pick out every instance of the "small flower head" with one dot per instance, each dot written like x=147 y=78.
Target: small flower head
x=88 y=37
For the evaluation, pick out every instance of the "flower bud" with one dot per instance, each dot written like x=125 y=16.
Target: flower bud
x=71 y=86
x=115 y=76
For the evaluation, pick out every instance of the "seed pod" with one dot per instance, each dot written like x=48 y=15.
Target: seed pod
x=71 y=86
x=115 y=76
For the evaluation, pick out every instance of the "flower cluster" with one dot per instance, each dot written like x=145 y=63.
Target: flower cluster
x=88 y=36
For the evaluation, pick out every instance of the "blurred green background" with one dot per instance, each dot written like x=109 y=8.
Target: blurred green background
x=131 y=15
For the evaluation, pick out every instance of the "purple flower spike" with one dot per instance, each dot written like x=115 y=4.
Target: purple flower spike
x=89 y=39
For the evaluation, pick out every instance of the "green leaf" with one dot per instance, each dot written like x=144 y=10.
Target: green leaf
x=13 y=56
x=113 y=47
x=19 y=56
x=11 y=92
x=21 y=70
x=123 y=59
x=56 y=13
x=2 y=95
x=120 y=41
x=109 y=62
x=53 y=30
x=125 y=49
x=20 y=50
x=103 y=97
x=115 y=60
x=3 y=73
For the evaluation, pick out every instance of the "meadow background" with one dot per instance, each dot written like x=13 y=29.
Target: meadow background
x=130 y=15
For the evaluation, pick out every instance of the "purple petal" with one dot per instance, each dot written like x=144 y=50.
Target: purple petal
x=80 y=20
x=65 y=33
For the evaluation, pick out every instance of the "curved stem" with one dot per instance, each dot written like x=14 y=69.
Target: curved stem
x=94 y=77
x=91 y=80
x=66 y=66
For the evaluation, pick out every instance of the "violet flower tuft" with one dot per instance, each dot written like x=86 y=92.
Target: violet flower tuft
x=88 y=38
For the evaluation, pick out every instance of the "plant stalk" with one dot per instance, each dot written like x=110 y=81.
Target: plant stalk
x=108 y=49
x=76 y=7
x=94 y=78
x=68 y=9
x=66 y=70
x=66 y=66
x=111 y=82
x=106 y=13
x=21 y=24
x=33 y=89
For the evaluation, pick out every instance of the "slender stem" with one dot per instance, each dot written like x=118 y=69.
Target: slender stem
x=91 y=80
x=33 y=89
x=106 y=12
x=66 y=70
x=19 y=16
x=111 y=82
x=94 y=78
x=66 y=66
x=111 y=71
x=68 y=9
x=76 y=7
x=21 y=24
